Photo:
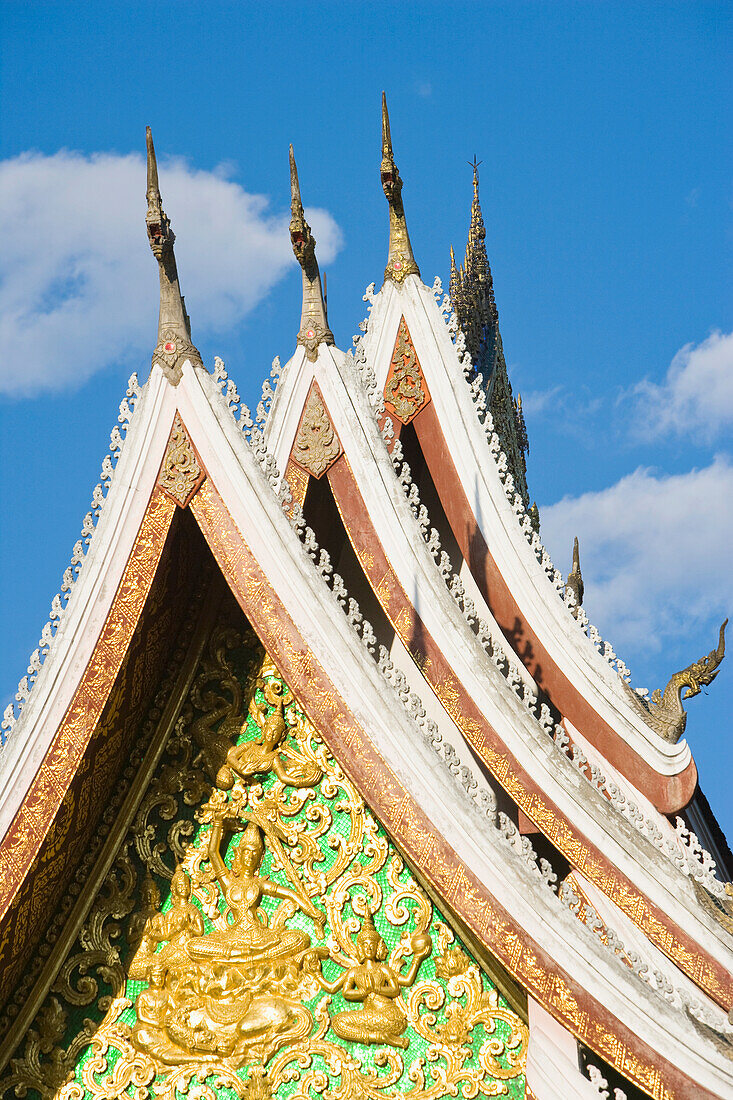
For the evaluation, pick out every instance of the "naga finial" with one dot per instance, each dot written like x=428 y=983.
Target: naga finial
x=314 y=328
x=174 y=329
x=665 y=713
x=400 y=260
x=574 y=583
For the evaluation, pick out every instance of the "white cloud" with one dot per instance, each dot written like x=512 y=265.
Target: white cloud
x=538 y=402
x=655 y=553
x=696 y=395
x=78 y=284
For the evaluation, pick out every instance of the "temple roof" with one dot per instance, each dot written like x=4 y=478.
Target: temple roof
x=373 y=526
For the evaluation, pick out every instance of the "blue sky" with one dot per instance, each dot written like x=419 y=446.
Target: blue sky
x=605 y=186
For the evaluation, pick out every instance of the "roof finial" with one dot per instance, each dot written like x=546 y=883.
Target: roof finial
x=574 y=582
x=314 y=328
x=174 y=330
x=477 y=261
x=400 y=261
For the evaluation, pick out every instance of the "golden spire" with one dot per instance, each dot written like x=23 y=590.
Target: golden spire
x=400 y=261
x=314 y=328
x=477 y=262
x=574 y=582
x=174 y=330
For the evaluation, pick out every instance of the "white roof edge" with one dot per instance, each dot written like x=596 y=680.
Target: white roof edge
x=564 y=641
x=316 y=615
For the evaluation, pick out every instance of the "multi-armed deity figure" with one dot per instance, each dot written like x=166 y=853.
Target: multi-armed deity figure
x=377 y=986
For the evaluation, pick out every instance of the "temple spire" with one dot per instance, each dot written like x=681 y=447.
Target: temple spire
x=400 y=261
x=476 y=265
x=574 y=582
x=174 y=330
x=314 y=328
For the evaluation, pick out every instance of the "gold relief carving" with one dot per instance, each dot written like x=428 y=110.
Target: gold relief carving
x=664 y=712
x=405 y=391
x=376 y=778
x=181 y=474
x=241 y=1005
x=316 y=445
x=376 y=985
x=297 y=479
x=30 y=825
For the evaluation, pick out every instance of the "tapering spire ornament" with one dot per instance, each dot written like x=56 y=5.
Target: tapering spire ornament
x=472 y=291
x=174 y=329
x=400 y=261
x=574 y=583
x=314 y=328
x=472 y=297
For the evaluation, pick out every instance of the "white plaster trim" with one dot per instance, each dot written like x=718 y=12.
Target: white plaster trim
x=549 y=618
x=92 y=594
x=325 y=630
x=287 y=406
x=582 y=804
x=552 y=1060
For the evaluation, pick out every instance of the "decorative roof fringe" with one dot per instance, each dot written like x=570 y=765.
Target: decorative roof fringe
x=400 y=260
x=174 y=327
x=314 y=328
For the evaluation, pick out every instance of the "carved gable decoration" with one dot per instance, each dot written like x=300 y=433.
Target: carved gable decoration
x=405 y=392
x=316 y=444
x=251 y=891
x=181 y=474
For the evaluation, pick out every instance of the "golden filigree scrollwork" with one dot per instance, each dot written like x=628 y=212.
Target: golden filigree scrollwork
x=293 y=944
x=316 y=445
x=405 y=391
x=181 y=474
x=665 y=713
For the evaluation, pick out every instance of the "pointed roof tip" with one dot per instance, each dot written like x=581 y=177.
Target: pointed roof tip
x=152 y=162
x=400 y=259
x=295 y=199
x=386 y=134
x=314 y=328
x=475 y=165
x=576 y=555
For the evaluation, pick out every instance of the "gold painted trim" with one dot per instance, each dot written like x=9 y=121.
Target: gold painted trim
x=405 y=820
x=106 y=858
x=27 y=831
x=452 y=696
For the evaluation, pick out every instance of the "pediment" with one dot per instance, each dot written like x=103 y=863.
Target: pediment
x=257 y=928
x=435 y=810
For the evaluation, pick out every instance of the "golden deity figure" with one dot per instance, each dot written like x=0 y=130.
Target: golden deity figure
x=174 y=928
x=263 y=755
x=377 y=985
x=248 y=939
x=155 y=1033
x=231 y=993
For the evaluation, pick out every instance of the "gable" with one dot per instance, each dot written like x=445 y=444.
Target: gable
x=232 y=984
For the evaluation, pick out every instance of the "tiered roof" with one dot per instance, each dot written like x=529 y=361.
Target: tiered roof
x=372 y=524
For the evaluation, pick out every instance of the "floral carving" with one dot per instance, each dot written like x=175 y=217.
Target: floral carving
x=292 y=950
x=405 y=391
x=181 y=474
x=316 y=445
